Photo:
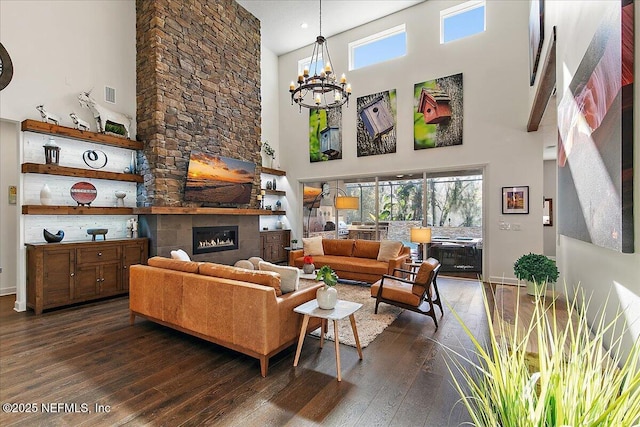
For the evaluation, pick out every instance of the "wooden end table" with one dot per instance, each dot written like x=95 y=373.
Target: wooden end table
x=341 y=310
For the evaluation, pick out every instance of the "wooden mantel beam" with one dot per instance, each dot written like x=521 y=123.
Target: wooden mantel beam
x=545 y=86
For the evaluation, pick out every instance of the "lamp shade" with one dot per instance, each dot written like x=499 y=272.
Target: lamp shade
x=421 y=235
x=347 y=202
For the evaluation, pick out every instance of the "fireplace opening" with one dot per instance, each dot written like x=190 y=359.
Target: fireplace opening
x=215 y=239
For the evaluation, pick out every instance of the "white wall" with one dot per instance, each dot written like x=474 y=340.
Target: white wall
x=603 y=273
x=549 y=233
x=496 y=92
x=9 y=214
x=61 y=48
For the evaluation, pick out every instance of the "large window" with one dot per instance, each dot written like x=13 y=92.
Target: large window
x=377 y=48
x=463 y=20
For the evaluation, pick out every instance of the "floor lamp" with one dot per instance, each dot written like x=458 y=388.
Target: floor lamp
x=421 y=235
x=340 y=202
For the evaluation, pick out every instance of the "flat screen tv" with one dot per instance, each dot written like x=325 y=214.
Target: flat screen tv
x=220 y=180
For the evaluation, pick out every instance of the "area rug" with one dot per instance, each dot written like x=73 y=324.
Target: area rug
x=369 y=325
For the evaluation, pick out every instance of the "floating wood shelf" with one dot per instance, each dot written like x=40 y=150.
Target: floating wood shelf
x=84 y=135
x=273 y=171
x=170 y=210
x=74 y=210
x=77 y=172
x=275 y=192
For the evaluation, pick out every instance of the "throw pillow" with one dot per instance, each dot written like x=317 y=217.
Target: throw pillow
x=243 y=263
x=312 y=246
x=180 y=255
x=389 y=249
x=255 y=260
x=289 y=276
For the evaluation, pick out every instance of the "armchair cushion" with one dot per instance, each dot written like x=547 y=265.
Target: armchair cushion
x=396 y=290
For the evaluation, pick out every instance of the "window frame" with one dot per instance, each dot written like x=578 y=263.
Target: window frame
x=465 y=7
x=381 y=35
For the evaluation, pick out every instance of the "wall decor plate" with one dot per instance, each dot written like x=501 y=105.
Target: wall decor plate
x=83 y=193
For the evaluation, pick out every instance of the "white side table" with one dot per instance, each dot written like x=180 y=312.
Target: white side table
x=341 y=310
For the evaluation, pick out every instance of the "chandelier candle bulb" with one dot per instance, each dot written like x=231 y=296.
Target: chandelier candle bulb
x=327 y=67
x=306 y=72
x=343 y=78
x=292 y=85
x=349 y=88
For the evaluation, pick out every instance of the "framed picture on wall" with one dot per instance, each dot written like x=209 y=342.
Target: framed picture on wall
x=515 y=200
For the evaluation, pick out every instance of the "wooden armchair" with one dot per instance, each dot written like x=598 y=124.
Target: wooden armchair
x=411 y=291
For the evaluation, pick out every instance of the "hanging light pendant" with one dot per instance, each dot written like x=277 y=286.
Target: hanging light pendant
x=319 y=88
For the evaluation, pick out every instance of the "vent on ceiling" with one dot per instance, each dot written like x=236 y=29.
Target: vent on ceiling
x=110 y=94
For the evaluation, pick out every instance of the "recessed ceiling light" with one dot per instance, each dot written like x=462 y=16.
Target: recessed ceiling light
x=304 y=25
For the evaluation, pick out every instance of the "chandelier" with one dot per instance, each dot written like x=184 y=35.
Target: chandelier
x=320 y=89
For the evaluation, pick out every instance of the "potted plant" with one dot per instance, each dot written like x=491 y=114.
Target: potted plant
x=327 y=296
x=294 y=243
x=308 y=266
x=535 y=269
x=270 y=152
x=573 y=380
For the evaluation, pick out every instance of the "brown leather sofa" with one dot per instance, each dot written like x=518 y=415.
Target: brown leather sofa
x=243 y=310
x=353 y=259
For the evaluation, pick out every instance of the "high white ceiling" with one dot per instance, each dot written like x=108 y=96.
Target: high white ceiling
x=281 y=20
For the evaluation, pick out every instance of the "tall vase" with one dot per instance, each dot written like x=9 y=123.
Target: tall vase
x=268 y=162
x=45 y=195
x=327 y=297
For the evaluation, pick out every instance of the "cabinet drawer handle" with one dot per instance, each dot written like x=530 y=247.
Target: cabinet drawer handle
x=73 y=274
x=98 y=280
x=102 y=280
x=125 y=267
x=99 y=253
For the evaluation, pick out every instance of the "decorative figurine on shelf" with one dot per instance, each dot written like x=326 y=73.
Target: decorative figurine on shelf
x=273 y=185
x=120 y=195
x=132 y=228
x=51 y=152
x=53 y=238
x=268 y=185
x=79 y=123
x=48 y=117
x=98 y=232
x=278 y=205
x=106 y=120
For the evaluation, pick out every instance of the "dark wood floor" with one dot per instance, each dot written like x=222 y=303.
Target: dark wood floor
x=147 y=374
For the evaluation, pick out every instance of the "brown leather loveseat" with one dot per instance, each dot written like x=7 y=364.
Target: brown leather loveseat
x=356 y=259
x=240 y=309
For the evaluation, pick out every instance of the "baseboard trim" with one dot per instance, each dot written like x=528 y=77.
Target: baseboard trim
x=8 y=291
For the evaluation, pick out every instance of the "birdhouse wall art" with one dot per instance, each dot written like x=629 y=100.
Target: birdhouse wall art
x=377 y=118
x=377 y=123
x=438 y=112
x=325 y=134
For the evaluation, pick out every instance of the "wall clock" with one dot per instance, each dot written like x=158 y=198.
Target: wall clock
x=6 y=67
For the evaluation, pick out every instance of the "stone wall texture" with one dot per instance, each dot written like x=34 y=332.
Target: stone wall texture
x=198 y=88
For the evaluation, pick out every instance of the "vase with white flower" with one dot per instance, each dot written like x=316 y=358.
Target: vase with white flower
x=327 y=295
x=270 y=154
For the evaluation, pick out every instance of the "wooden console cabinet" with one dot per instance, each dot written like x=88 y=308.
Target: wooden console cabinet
x=273 y=244
x=66 y=273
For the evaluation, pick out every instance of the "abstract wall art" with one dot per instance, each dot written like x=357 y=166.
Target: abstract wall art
x=595 y=150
